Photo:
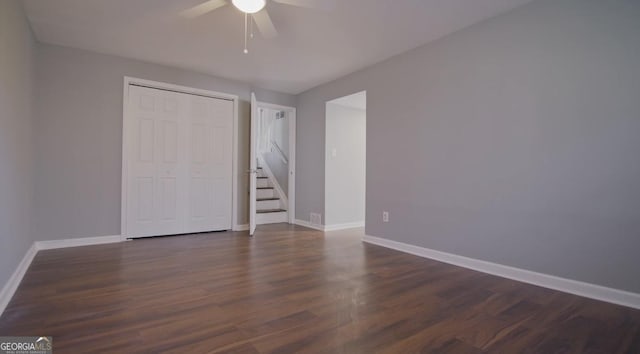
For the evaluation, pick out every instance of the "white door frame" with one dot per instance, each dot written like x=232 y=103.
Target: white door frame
x=253 y=166
x=291 y=208
x=125 y=148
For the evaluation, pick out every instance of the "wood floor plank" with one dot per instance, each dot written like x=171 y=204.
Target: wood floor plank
x=291 y=289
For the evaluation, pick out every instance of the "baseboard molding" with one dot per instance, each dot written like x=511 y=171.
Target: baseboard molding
x=12 y=284
x=351 y=225
x=326 y=228
x=243 y=227
x=309 y=225
x=75 y=242
x=597 y=292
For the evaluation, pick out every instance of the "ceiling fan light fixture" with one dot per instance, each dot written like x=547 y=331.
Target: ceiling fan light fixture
x=249 y=6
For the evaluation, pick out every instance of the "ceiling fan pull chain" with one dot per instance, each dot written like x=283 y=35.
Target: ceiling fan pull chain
x=245 y=33
x=251 y=27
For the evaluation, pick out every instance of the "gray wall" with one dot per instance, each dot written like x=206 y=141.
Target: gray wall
x=345 y=173
x=17 y=52
x=79 y=137
x=514 y=141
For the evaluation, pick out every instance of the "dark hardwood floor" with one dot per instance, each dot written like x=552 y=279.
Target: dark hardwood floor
x=291 y=289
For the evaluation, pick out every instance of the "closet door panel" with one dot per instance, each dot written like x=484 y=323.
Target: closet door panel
x=154 y=162
x=170 y=165
x=211 y=121
x=221 y=164
x=179 y=163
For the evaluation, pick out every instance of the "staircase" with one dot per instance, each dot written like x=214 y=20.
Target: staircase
x=269 y=206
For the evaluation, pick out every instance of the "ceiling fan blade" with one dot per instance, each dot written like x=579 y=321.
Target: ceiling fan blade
x=265 y=25
x=312 y=4
x=203 y=8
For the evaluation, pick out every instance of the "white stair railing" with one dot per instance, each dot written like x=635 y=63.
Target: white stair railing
x=275 y=148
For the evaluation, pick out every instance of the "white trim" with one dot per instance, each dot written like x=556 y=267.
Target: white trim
x=276 y=107
x=328 y=228
x=14 y=281
x=184 y=89
x=12 y=284
x=125 y=165
x=188 y=90
x=235 y=164
x=309 y=225
x=349 y=225
x=292 y=166
x=243 y=227
x=278 y=150
x=575 y=287
x=75 y=242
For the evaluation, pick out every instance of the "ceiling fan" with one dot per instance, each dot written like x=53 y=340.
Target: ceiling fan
x=254 y=11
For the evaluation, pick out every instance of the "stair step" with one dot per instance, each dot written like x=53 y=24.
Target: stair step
x=265 y=188
x=263 y=177
x=269 y=211
x=265 y=193
x=267 y=203
x=263 y=183
x=271 y=217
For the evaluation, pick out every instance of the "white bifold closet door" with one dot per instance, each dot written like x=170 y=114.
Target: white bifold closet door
x=179 y=163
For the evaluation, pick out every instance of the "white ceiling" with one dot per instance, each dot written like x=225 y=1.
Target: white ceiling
x=314 y=46
x=356 y=100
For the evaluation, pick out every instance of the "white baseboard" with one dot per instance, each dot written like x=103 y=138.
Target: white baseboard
x=309 y=225
x=12 y=284
x=334 y=227
x=243 y=227
x=597 y=292
x=351 y=225
x=75 y=242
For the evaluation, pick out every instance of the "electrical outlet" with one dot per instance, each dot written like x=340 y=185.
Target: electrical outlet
x=385 y=216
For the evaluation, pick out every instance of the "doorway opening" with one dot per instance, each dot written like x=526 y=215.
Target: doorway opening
x=272 y=182
x=345 y=162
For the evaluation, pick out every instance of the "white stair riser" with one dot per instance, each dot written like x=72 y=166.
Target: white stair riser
x=265 y=193
x=263 y=182
x=271 y=218
x=268 y=204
